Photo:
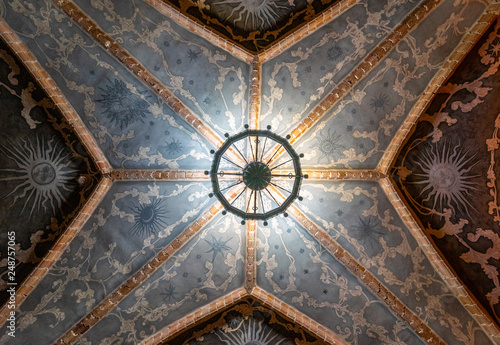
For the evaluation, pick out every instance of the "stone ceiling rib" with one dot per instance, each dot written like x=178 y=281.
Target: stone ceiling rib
x=133 y=65
x=366 y=277
x=324 y=18
x=364 y=68
x=201 y=30
x=304 y=321
x=108 y=303
x=199 y=315
x=55 y=94
x=43 y=267
x=158 y=174
x=255 y=92
x=454 y=60
x=444 y=270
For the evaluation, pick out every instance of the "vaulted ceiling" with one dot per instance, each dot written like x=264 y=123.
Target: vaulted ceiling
x=110 y=110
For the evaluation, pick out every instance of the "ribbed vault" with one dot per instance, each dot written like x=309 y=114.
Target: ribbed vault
x=113 y=107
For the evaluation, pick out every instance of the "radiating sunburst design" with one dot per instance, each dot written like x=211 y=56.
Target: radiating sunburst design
x=250 y=332
x=445 y=177
x=169 y=293
x=149 y=218
x=253 y=14
x=334 y=52
x=379 y=102
x=121 y=105
x=368 y=230
x=329 y=144
x=44 y=175
x=173 y=147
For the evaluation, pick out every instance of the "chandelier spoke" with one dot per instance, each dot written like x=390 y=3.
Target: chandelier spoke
x=241 y=154
x=230 y=161
x=286 y=190
x=226 y=188
x=291 y=159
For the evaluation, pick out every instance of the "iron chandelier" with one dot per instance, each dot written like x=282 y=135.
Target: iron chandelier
x=250 y=159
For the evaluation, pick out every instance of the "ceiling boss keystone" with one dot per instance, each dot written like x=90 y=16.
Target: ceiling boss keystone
x=264 y=192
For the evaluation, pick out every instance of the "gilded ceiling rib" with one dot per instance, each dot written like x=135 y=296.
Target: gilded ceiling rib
x=43 y=267
x=444 y=270
x=254 y=95
x=158 y=174
x=364 y=276
x=55 y=94
x=192 y=319
x=324 y=18
x=200 y=30
x=250 y=263
x=138 y=70
x=107 y=304
x=320 y=331
x=337 y=174
x=362 y=70
x=454 y=60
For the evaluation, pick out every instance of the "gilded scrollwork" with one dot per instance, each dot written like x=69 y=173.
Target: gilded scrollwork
x=335 y=299
x=254 y=25
x=366 y=225
x=447 y=170
x=42 y=167
x=246 y=322
x=372 y=111
x=207 y=267
x=130 y=227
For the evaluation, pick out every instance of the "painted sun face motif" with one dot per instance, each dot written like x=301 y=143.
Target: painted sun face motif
x=334 y=52
x=250 y=332
x=368 y=231
x=122 y=106
x=445 y=177
x=173 y=147
x=253 y=14
x=329 y=144
x=379 y=102
x=149 y=218
x=44 y=175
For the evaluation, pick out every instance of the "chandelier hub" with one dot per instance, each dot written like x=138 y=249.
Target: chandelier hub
x=257 y=175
